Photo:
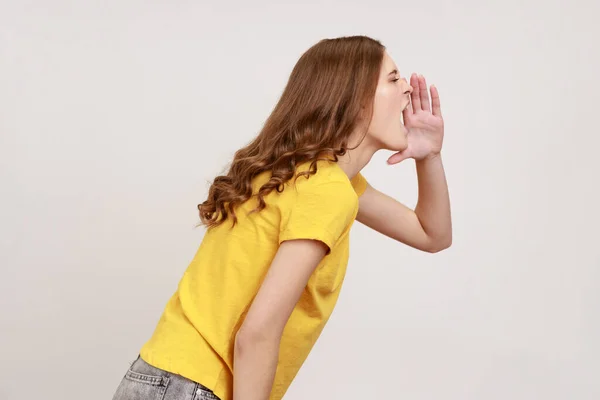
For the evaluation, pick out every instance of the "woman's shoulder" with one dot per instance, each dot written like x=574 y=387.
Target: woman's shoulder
x=328 y=176
x=328 y=188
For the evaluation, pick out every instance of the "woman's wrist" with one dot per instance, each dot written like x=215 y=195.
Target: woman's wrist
x=431 y=156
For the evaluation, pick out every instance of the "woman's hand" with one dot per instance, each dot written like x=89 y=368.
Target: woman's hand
x=424 y=123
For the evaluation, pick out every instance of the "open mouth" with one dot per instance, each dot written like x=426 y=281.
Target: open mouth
x=402 y=113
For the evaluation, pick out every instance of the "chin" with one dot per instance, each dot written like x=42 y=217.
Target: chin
x=402 y=147
x=397 y=146
x=400 y=141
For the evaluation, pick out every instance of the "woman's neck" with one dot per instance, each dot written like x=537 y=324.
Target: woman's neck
x=354 y=160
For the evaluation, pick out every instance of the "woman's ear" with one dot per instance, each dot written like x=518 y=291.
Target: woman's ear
x=365 y=115
x=362 y=114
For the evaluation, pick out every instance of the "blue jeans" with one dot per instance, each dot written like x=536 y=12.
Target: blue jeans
x=145 y=382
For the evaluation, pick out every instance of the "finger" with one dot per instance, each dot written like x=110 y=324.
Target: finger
x=398 y=157
x=423 y=94
x=415 y=96
x=435 y=101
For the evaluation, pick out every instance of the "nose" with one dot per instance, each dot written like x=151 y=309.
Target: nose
x=408 y=87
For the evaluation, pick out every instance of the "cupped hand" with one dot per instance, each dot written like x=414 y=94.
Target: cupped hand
x=423 y=119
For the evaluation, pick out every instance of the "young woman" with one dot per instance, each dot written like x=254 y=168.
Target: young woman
x=268 y=272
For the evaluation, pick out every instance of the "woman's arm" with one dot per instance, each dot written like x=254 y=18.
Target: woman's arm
x=429 y=226
x=257 y=341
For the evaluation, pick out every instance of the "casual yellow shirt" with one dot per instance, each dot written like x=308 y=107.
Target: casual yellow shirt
x=195 y=335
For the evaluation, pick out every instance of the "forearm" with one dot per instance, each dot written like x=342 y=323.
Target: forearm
x=433 y=206
x=254 y=366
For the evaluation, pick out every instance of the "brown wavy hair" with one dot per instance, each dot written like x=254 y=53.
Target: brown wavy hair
x=329 y=89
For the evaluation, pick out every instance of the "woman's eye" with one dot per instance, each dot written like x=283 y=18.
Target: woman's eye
x=396 y=80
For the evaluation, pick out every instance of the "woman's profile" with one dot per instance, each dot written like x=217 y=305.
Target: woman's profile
x=268 y=272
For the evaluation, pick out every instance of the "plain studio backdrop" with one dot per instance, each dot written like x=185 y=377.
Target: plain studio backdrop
x=114 y=116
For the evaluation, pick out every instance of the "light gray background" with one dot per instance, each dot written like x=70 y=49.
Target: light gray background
x=115 y=114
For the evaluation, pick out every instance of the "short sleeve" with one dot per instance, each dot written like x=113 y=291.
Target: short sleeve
x=320 y=211
x=359 y=183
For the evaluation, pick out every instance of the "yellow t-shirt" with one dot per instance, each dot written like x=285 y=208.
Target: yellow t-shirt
x=195 y=335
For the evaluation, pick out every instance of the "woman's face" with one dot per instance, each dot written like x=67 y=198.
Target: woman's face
x=386 y=130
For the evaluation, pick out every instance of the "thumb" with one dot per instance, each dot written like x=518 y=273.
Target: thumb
x=398 y=157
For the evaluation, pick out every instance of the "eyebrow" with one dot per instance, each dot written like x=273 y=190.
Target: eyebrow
x=393 y=72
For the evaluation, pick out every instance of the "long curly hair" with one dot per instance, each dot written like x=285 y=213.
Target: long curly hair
x=329 y=89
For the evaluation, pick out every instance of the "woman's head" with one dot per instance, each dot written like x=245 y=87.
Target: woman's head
x=392 y=96
x=340 y=94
